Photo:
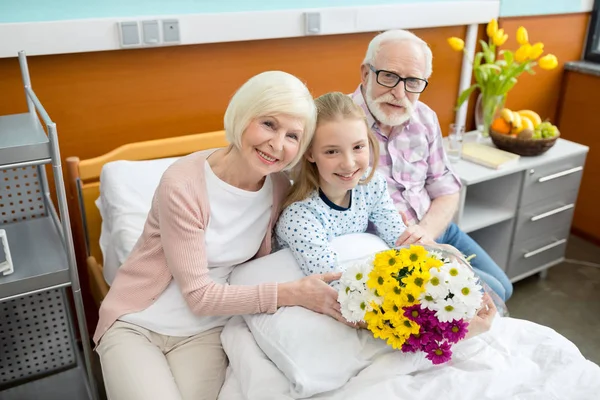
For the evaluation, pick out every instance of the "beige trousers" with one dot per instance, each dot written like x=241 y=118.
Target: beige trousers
x=140 y=364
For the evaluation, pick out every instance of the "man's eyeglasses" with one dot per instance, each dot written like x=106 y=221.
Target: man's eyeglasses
x=391 y=80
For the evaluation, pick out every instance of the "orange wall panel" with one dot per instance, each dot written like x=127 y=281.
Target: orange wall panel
x=104 y=99
x=578 y=120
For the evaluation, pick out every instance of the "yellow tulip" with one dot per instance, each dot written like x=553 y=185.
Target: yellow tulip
x=548 y=62
x=500 y=37
x=522 y=36
x=457 y=44
x=523 y=53
x=536 y=50
x=492 y=28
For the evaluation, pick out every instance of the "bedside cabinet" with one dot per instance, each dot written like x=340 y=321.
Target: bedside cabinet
x=521 y=214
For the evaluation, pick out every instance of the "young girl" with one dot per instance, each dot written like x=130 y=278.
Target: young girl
x=334 y=191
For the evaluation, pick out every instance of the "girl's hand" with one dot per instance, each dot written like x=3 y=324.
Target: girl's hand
x=313 y=293
x=482 y=321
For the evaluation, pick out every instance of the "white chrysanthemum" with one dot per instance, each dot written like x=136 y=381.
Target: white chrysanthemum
x=355 y=306
x=448 y=310
x=429 y=301
x=456 y=283
x=343 y=294
x=456 y=270
x=373 y=298
x=470 y=295
x=436 y=254
x=437 y=285
x=356 y=276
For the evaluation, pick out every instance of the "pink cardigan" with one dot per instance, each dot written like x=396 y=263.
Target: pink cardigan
x=172 y=247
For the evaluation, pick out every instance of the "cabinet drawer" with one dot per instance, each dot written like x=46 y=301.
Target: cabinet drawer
x=537 y=252
x=551 y=179
x=548 y=215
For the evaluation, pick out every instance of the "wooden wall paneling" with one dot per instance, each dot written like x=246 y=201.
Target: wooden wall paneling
x=578 y=121
x=562 y=35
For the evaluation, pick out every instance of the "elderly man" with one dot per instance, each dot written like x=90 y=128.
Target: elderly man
x=425 y=190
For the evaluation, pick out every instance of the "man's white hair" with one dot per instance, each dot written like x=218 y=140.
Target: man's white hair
x=267 y=94
x=398 y=35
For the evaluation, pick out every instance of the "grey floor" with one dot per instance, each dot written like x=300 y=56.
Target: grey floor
x=567 y=300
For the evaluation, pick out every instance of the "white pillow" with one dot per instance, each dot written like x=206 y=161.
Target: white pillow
x=126 y=192
x=314 y=351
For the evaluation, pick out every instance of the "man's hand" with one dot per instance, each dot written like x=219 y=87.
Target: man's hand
x=413 y=234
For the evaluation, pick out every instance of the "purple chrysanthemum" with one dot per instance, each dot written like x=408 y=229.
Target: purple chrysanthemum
x=421 y=340
x=455 y=330
x=417 y=314
x=408 y=348
x=439 y=353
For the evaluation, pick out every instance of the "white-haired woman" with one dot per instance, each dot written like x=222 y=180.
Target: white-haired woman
x=159 y=331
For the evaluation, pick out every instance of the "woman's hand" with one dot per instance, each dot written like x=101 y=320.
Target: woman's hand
x=482 y=321
x=313 y=293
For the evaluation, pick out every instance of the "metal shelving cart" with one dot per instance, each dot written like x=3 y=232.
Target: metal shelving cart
x=39 y=354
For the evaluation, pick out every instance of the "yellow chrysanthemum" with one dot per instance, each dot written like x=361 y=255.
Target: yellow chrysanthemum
x=492 y=28
x=418 y=278
x=410 y=295
x=432 y=262
x=389 y=306
x=457 y=44
x=523 y=53
x=500 y=37
x=383 y=333
x=379 y=279
x=414 y=255
x=374 y=319
x=407 y=327
x=522 y=36
x=388 y=260
x=396 y=342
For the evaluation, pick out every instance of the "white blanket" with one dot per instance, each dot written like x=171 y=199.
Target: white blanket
x=516 y=359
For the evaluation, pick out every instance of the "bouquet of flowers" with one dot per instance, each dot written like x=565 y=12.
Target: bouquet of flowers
x=415 y=298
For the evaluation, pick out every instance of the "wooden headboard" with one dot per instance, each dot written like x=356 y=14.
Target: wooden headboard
x=83 y=184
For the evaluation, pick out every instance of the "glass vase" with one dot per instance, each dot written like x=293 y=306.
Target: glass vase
x=487 y=109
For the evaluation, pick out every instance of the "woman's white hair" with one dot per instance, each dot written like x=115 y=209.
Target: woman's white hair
x=398 y=35
x=268 y=94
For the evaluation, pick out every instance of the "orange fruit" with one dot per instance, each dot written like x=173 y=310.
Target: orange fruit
x=501 y=126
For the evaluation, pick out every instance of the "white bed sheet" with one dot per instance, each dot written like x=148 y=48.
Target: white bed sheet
x=516 y=359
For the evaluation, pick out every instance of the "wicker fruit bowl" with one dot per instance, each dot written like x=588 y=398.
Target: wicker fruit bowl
x=523 y=147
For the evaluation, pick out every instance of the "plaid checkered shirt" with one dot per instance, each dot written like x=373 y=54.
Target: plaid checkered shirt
x=413 y=160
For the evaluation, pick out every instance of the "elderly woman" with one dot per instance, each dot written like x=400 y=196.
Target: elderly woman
x=159 y=331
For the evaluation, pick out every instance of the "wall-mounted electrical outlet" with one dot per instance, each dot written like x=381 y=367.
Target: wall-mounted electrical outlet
x=170 y=29
x=148 y=33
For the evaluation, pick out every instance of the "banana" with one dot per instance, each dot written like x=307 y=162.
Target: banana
x=527 y=123
x=532 y=115
x=517 y=123
x=507 y=115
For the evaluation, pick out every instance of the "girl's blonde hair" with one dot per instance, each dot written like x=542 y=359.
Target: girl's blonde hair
x=333 y=106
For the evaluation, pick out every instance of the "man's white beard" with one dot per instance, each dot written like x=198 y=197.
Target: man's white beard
x=375 y=106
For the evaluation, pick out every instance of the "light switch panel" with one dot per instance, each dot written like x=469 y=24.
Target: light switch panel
x=129 y=34
x=151 y=32
x=312 y=22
